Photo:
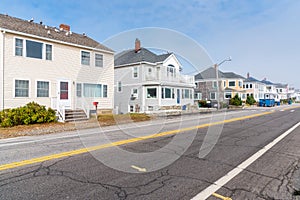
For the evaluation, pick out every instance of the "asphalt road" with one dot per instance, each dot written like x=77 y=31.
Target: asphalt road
x=165 y=167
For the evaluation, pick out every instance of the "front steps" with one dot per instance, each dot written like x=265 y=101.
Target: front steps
x=75 y=115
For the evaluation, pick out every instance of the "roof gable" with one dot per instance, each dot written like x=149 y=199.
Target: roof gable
x=143 y=55
x=210 y=73
x=47 y=32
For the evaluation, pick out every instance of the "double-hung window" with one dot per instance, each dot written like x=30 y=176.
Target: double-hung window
x=48 y=52
x=98 y=60
x=42 y=89
x=21 y=88
x=85 y=58
x=19 y=47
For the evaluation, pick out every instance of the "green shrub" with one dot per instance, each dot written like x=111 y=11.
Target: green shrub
x=31 y=113
x=250 y=100
x=236 y=101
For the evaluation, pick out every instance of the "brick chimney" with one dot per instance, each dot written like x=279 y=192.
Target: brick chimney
x=64 y=27
x=137 y=45
x=248 y=75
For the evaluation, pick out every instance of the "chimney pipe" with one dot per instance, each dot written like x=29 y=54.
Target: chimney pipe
x=248 y=75
x=137 y=45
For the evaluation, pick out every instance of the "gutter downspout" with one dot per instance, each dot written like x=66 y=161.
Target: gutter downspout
x=2 y=65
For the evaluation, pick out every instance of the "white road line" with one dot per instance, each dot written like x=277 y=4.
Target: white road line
x=230 y=175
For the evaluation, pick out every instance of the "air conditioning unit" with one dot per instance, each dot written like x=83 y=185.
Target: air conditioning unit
x=134 y=95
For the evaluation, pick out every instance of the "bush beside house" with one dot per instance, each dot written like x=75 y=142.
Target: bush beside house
x=31 y=113
x=235 y=101
x=250 y=100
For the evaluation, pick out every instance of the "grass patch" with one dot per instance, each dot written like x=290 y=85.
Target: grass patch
x=109 y=119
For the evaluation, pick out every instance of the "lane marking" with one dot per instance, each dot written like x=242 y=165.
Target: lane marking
x=121 y=142
x=210 y=190
x=28 y=140
x=221 y=197
x=139 y=168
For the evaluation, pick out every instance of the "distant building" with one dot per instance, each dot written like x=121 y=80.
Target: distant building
x=53 y=66
x=253 y=87
x=229 y=84
x=146 y=82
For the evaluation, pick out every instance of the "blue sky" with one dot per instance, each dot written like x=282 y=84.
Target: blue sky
x=262 y=36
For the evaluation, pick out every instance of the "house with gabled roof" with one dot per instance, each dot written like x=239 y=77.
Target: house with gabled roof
x=220 y=88
x=54 y=67
x=147 y=82
x=254 y=88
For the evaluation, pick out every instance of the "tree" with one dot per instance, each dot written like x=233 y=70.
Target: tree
x=250 y=100
x=236 y=100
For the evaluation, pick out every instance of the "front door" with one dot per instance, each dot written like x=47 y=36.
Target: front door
x=64 y=94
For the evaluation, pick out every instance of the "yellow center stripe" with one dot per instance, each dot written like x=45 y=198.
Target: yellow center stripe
x=118 y=143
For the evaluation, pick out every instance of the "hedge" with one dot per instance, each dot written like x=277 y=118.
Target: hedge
x=31 y=113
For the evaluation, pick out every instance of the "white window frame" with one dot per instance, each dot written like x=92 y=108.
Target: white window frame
x=29 y=88
x=135 y=73
x=227 y=93
x=24 y=52
x=211 y=94
x=45 y=53
x=36 y=89
x=119 y=86
x=81 y=90
x=133 y=93
x=81 y=51
x=156 y=93
x=231 y=85
x=95 y=57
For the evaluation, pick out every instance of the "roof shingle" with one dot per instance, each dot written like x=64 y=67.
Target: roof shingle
x=37 y=29
x=143 y=55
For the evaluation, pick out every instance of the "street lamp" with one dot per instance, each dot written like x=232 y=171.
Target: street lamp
x=217 y=77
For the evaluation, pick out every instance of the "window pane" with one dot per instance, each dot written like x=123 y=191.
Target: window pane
x=119 y=86
x=135 y=72
x=231 y=83
x=167 y=93
x=85 y=58
x=21 y=88
x=78 y=90
x=48 y=52
x=98 y=60
x=42 y=89
x=92 y=90
x=34 y=49
x=104 y=90
x=19 y=47
x=151 y=93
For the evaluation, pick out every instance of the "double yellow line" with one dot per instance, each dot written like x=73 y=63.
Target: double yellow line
x=118 y=143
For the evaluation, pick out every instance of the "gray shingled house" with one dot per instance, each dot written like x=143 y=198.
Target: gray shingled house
x=147 y=82
x=228 y=83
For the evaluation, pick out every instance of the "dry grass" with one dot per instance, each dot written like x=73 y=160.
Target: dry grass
x=48 y=128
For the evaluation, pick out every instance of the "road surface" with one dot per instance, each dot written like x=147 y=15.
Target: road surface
x=91 y=163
